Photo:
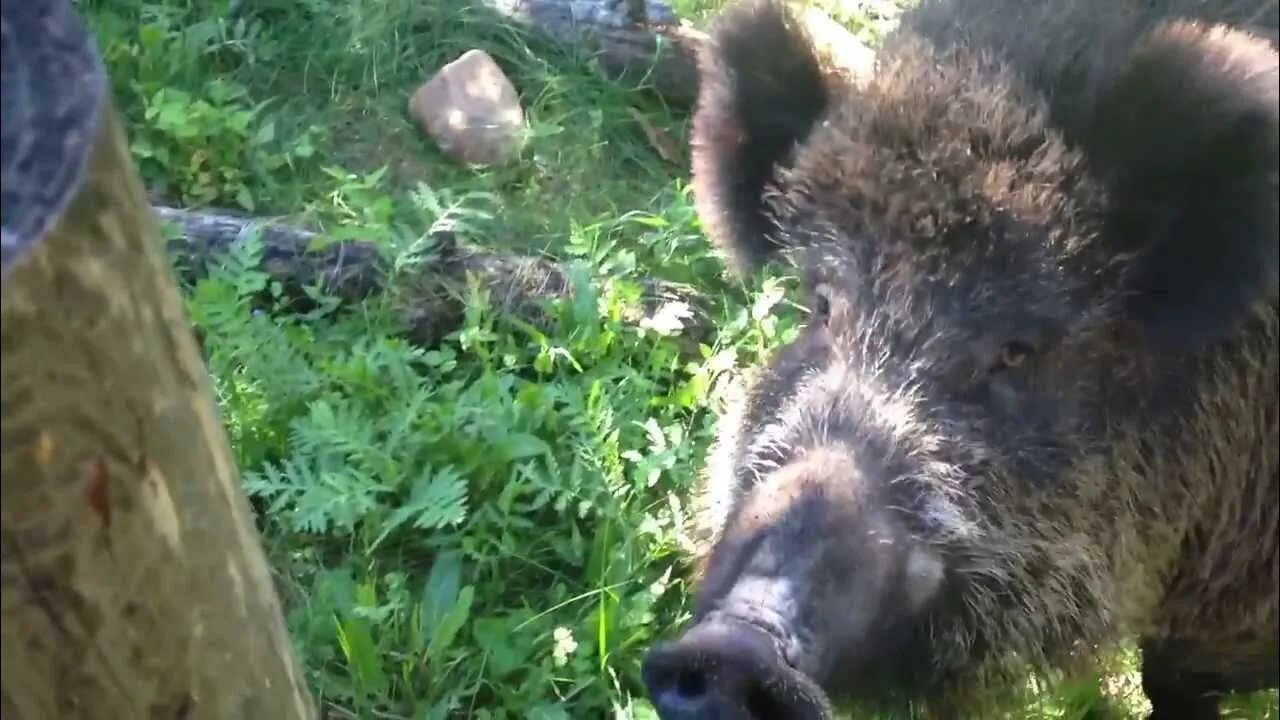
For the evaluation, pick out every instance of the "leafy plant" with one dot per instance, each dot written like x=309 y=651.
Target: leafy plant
x=209 y=149
x=198 y=138
x=363 y=453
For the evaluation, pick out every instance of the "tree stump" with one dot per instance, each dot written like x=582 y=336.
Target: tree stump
x=132 y=576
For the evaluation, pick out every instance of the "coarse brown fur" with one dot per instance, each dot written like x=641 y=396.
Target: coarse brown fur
x=1114 y=212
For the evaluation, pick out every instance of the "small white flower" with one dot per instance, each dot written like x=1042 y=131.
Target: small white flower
x=669 y=319
x=659 y=586
x=565 y=646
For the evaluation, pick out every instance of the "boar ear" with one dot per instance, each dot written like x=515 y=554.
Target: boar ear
x=761 y=90
x=1185 y=139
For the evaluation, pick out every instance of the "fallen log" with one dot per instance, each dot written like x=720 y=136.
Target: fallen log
x=631 y=38
x=431 y=297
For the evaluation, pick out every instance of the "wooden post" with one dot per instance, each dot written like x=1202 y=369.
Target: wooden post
x=132 y=580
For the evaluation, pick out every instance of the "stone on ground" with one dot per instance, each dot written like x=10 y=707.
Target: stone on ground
x=472 y=111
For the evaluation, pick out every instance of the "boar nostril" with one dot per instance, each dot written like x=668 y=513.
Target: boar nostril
x=691 y=683
x=680 y=695
x=761 y=703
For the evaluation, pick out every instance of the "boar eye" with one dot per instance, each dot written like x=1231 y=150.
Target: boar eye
x=822 y=303
x=1013 y=354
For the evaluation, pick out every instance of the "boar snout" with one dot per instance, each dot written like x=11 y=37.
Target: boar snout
x=724 y=669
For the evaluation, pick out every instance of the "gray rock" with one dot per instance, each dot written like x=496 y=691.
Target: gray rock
x=471 y=110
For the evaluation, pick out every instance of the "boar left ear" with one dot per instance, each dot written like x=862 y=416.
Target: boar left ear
x=760 y=91
x=1185 y=137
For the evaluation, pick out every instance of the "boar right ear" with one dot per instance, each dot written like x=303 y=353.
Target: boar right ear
x=1185 y=139
x=761 y=90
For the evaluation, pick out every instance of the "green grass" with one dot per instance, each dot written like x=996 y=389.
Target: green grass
x=494 y=527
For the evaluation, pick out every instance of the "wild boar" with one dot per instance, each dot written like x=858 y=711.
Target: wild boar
x=1033 y=411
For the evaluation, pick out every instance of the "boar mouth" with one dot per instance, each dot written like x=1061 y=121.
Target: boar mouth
x=730 y=668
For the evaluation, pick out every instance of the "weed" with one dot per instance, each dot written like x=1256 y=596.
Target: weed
x=493 y=525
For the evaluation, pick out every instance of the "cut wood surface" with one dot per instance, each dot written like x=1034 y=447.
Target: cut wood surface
x=132 y=580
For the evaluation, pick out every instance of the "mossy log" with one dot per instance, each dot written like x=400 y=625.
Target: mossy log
x=430 y=297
